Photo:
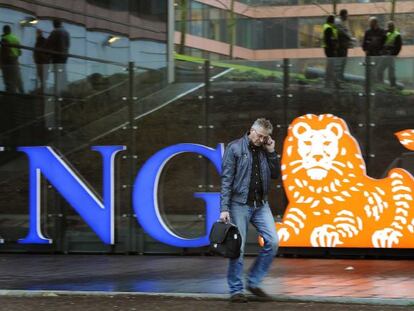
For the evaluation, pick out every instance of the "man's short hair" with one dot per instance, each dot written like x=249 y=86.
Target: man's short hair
x=330 y=19
x=6 y=29
x=343 y=12
x=373 y=18
x=264 y=124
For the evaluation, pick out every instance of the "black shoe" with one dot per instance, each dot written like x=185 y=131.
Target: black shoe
x=258 y=292
x=238 y=298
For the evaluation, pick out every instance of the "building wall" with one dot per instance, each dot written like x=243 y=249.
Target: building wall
x=141 y=26
x=277 y=27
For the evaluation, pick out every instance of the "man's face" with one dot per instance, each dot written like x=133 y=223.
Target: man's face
x=390 y=27
x=374 y=24
x=258 y=136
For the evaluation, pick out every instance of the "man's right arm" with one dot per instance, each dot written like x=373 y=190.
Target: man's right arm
x=364 y=42
x=227 y=178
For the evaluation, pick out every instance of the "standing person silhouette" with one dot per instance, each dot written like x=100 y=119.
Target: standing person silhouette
x=373 y=44
x=9 y=59
x=345 y=41
x=392 y=48
x=330 y=47
x=41 y=60
x=58 y=43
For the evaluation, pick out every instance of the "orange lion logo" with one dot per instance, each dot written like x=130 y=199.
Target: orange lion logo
x=332 y=201
x=406 y=138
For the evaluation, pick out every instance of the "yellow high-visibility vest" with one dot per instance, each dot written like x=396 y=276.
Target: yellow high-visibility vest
x=12 y=39
x=391 y=36
x=334 y=33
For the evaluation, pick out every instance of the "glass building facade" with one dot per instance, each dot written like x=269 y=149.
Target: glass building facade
x=287 y=30
x=138 y=29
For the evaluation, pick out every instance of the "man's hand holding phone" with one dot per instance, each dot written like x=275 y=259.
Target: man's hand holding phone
x=269 y=144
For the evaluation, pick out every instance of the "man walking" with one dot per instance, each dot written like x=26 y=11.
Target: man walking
x=9 y=59
x=345 y=41
x=248 y=165
x=392 y=48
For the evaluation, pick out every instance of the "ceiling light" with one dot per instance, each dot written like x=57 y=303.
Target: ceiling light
x=111 y=40
x=29 y=21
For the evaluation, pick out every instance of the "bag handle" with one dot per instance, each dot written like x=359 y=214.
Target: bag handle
x=224 y=222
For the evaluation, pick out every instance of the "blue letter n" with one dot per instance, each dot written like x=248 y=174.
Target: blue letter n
x=97 y=214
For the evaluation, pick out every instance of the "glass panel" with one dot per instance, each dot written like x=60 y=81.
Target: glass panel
x=172 y=115
x=311 y=92
x=96 y=105
x=82 y=102
x=23 y=125
x=244 y=91
x=391 y=112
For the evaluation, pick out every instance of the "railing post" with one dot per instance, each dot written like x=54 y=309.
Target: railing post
x=286 y=95
x=206 y=102
x=207 y=184
x=55 y=126
x=132 y=158
x=370 y=76
x=286 y=98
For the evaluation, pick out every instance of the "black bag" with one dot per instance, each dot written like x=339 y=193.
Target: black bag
x=225 y=240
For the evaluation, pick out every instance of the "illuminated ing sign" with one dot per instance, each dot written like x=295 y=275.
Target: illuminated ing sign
x=332 y=202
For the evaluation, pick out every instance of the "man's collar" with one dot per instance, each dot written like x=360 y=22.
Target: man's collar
x=253 y=146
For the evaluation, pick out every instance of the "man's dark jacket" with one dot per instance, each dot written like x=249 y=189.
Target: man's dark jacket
x=58 y=41
x=374 y=40
x=237 y=170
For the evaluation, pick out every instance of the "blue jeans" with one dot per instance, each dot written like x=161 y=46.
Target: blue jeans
x=262 y=220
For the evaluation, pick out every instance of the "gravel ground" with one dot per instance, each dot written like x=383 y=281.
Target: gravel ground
x=143 y=303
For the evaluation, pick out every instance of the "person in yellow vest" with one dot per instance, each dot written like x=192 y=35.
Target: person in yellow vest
x=392 y=48
x=330 y=46
x=9 y=58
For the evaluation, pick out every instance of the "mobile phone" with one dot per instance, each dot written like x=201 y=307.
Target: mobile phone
x=266 y=140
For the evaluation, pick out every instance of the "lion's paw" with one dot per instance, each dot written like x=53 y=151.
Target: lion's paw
x=283 y=234
x=325 y=236
x=386 y=238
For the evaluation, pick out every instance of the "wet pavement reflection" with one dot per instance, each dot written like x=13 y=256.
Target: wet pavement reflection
x=202 y=274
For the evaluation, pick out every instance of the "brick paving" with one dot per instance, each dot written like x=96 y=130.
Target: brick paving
x=146 y=303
